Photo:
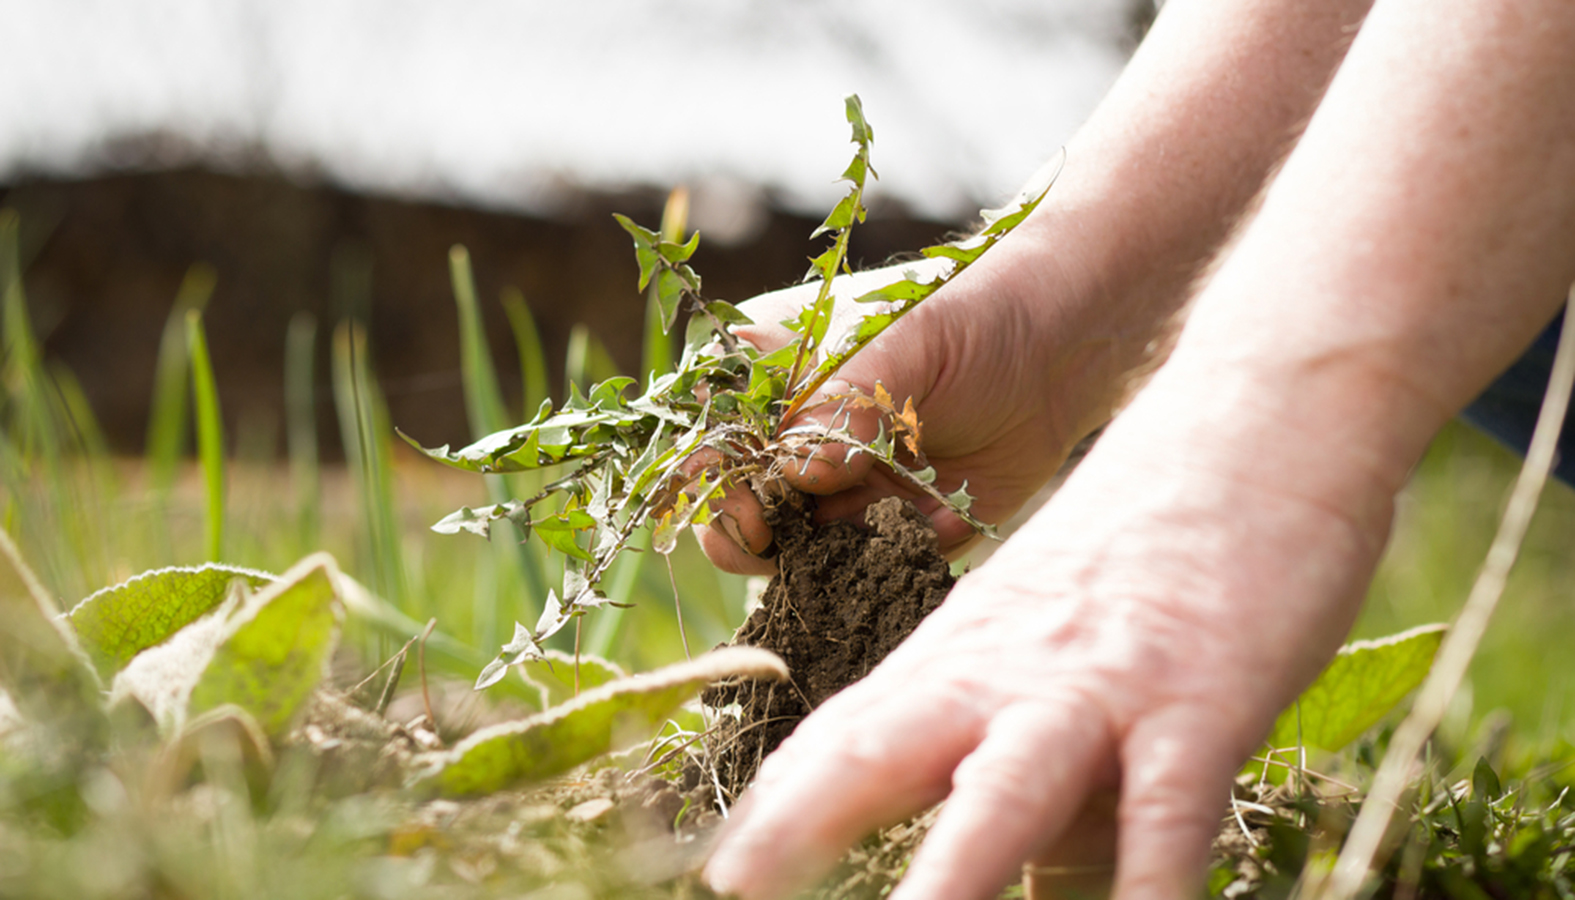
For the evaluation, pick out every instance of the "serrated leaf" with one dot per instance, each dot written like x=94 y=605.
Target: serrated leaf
x=116 y=623
x=669 y=296
x=479 y=521
x=675 y=252
x=960 y=500
x=1358 y=688
x=854 y=107
x=558 y=531
x=841 y=216
x=645 y=252
x=964 y=253
x=727 y=314
x=274 y=649
x=611 y=717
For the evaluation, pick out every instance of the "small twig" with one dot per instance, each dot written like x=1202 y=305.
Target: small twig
x=1362 y=847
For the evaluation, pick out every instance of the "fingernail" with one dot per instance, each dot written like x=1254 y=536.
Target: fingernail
x=729 y=526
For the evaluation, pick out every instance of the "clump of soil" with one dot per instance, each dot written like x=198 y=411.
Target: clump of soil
x=845 y=598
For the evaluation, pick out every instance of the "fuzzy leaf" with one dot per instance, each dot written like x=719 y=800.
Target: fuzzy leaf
x=554 y=673
x=117 y=623
x=611 y=717
x=1363 y=683
x=274 y=649
x=479 y=521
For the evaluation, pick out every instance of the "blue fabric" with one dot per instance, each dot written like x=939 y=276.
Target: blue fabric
x=1508 y=409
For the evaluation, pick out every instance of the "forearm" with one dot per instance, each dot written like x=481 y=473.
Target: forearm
x=1418 y=238
x=1155 y=181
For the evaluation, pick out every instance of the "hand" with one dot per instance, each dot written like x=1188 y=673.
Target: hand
x=1136 y=638
x=991 y=380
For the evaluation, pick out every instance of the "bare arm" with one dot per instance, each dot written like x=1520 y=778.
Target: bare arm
x=1143 y=630
x=1051 y=325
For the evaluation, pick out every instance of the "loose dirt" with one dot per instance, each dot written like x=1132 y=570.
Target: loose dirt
x=845 y=598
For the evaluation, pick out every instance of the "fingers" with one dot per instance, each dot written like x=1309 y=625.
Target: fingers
x=727 y=553
x=1014 y=794
x=1176 y=780
x=848 y=769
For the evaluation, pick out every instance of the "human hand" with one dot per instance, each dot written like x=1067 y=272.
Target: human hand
x=1136 y=638
x=989 y=375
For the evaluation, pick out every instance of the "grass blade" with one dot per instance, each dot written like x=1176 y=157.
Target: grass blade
x=166 y=435
x=300 y=403
x=364 y=429
x=533 y=356
x=517 y=567
x=588 y=361
x=483 y=396
x=210 y=432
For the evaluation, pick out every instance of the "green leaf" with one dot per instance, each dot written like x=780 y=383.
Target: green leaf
x=1363 y=683
x=675 y=252
x=645 y=242
x=669 y=294
x=273 y=651
x=963 y=253
x=554 y=673
x=117 y=623
x=558 y=531
x=611 y=717
x=842 y=215
x=1485 y=785
x=862 y=132
x=210 y=431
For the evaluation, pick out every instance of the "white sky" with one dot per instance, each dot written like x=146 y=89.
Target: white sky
x=507 y=103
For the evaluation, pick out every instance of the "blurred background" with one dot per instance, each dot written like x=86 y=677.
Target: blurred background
x=284 y=142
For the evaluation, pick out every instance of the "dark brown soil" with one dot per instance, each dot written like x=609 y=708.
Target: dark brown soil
x=846 y=598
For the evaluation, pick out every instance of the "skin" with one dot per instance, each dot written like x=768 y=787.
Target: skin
x=1088 y=693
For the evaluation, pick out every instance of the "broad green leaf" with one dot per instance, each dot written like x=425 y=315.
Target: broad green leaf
x=616 y=715
x=273 y=650
x=554 y=673
x=1363 y=683
x=117 y=623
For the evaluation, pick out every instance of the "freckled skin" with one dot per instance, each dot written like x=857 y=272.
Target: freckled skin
x=1134 y=641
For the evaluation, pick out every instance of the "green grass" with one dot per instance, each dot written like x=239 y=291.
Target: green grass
x=1447 y=516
